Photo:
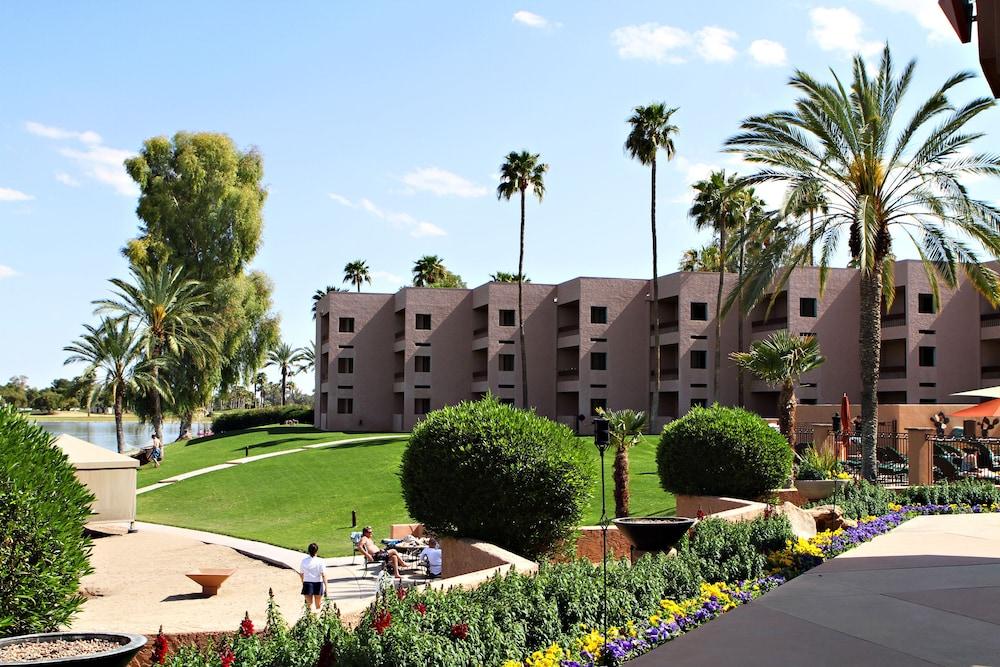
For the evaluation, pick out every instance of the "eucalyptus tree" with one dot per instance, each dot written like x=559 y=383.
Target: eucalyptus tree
x=286 y=358
x=652 y=131
x=357 y=273
x=883 y=174
x=518 y=173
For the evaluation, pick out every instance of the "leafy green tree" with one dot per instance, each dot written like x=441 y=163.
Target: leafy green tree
x=357 y=273
x=779 y=361
x=880 y=173
x=625 y=428
x=428 y=270
x=652 y=132
x=15 y=393
x=47 y=401
x=519 y=172
x=117 y=351
x=504 y=277
x=285 y=357
x=200 y=204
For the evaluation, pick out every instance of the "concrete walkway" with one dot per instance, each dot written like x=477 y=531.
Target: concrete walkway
x=927 y=593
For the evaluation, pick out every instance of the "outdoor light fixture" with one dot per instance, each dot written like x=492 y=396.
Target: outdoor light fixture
x=602 y=439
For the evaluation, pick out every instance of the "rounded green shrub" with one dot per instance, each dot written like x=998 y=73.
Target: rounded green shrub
x=237 y=420
x=43 y=550
x=490 y=471
x=721 y=451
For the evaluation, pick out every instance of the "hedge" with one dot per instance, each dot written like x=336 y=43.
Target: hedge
x=237 y=420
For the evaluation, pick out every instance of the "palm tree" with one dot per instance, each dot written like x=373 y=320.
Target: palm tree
x=308 y=361
x=118 y=351
x=779 y=361
x=807 y=200
x=504 y=277
x=879 y=174
x=651 y=132
x=625 y=429
x=285 y=357
x=169 y=309
x=320 y=294
x=428 y=270
x=713 y=208
x=259 y=382
x=357 y=272
x=519 y=172
x=705 y=259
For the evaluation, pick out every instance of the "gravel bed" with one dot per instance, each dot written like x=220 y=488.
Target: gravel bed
x=60 y=648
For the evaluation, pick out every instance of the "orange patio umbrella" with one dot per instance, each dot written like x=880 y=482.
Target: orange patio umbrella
x=987 y=409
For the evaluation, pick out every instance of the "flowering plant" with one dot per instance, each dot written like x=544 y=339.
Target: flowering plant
x=159 y=655
x=246 y=626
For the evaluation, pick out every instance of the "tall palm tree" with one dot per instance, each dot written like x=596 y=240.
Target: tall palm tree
x=652 y=132
x=748 y=209
x=625 y=429
x=259 y=383
x=428 y=270
x=880 y=173
x=285 y=357
x=807 y=200
x=117 y=350
x=320 y=294
x=170 y=311
x=519 y=172
x=357 y=273
x=779 y=361
x=713 y=208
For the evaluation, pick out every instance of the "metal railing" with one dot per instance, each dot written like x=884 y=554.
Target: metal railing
x=989 y=320
x=892 y=372
x=892 y=452
x=893 y=319
x=568 y=373
x=769 y=324
x=566 y=328
x=665 y=327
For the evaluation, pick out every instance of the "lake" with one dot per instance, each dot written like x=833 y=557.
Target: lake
x=103 y=432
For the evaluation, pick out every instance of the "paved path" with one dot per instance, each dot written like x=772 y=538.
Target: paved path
x=927 y=593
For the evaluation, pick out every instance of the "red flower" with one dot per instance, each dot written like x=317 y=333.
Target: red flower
x=226 y=658
x=246 y=626
x=700 y=515
x=159 y=656
x=460 y=630
x=401 y=593
x=421 y=608
x=383 y=620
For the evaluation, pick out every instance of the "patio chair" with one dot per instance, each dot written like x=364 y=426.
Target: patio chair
x=984 y=456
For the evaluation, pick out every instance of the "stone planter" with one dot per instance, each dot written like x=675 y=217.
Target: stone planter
x=128 y=646
x=818 y=489
x=654 y=533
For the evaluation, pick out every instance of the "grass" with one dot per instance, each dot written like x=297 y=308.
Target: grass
x=308 y=496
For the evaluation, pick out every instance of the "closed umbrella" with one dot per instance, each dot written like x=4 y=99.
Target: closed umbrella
x=845 y=415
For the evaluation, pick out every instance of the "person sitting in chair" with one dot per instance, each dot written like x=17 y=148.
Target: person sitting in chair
x=431 y=556
x=372 y=553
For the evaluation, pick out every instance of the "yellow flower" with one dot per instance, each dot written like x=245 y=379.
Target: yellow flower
x=513 y=663
x=654 y=619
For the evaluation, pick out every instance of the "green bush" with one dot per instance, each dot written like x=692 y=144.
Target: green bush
x=968 y=491
x=722 y=451
x=491 y=471
x=43 y=550
x=734 y=551
x=864 y=499
x=237 y=420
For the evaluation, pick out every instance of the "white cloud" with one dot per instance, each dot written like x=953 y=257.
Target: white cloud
x=9 y=194
x=691 y=173
x=840 y=29
x=714 y=44
x=927 y=13
x=342 y=200
x=651 y=41
x=766 y=52
x=531 y=20
x=66 y=179
x=442 y=183
x=106 y=165
x=386 y=278
x=50 y=132
x=7 y=272
x=405 y=221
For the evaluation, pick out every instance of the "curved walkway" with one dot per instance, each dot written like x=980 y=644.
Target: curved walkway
x=924 y=594
x=250 y=459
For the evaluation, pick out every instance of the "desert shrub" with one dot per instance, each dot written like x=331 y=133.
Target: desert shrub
x=966 y=491
x=865 y=499
x=734 y=551
x=43 y=550
x=722 y=451
x=235 y=420
x=491 y=471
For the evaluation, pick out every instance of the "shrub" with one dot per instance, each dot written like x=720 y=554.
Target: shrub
x=734 y=551
x=43 y=550
x=491 y=471
x=722 y=452
x=865 y=499
x=236 y=420
x=968 y=491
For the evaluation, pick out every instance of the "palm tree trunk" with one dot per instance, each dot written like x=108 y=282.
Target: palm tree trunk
x=740 y=377
x=157 y=404
x=871 y=341
x=284 y=377
x=119 y=427
x=786 y=412
x=520 y=313
x=811 y=242
x=621 y=480
x=655 y=398
x=717 y=362
x=186 y=419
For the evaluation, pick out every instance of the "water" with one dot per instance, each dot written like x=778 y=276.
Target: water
x=103 y=432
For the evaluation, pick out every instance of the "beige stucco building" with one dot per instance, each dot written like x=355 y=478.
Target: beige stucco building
x=383 y=360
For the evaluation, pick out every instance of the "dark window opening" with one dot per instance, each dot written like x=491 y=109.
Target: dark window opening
x=423 y=321
x=925 y=303
x=506 y=362
x=699 y=310
x=927 y=356
x=699 y=359
x=346 y=325
x=598 y=314
x=345 y=364
x=345 y=406
x=699 y=402
x=421 y=406
x=507 y=318
x=807 y=307
x=598 y=361
x=422 y=363
x=595 y=403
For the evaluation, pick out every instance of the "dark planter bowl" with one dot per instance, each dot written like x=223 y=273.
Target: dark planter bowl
x=654 y=533
x=129 y=645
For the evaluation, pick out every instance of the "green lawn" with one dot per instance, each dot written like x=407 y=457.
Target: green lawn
x=308 y=496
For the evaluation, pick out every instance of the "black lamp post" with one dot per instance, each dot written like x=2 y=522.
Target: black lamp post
x=602 y=438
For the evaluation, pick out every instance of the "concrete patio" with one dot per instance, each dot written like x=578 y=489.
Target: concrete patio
x=927 y=593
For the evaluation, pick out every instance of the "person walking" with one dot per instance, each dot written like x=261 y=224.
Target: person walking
x=157 y=454
x=313 y=575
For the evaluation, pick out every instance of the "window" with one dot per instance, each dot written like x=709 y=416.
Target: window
x=324 y=399
x=345 y=406
x=506 y=362
x=807 y=307
x=699 y=359
x=423 y=321
x=699 y=310
x=422 y=363
x=324 y=327
x=421 y=406
x=324 y=366
x=346 y=325
x=598 y=361
x=506 y=401
x=928 y=401
x=699 y=402
x=595 y=403
x=925 y=303
x=345 y=364
x=506 y=318
x=598 y=314
x=926 y=356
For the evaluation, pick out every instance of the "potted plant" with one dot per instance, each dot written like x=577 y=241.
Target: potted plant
x=819 y=474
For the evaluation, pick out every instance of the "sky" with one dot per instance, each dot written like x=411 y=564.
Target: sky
x=383 y=126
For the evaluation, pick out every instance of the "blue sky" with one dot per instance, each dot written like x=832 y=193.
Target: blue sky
x=382 y=127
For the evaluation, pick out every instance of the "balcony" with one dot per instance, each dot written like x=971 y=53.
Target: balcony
x=400 y=335
x=665 y=374
x=568 y=374
x=769 y=324
x=665 y=327
x=991 y=372
x=989 y=320
x=398 y=375
x=479 y=331
x=892 y=372
x=479 y=375
x=569 y=329
x=894 y=319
